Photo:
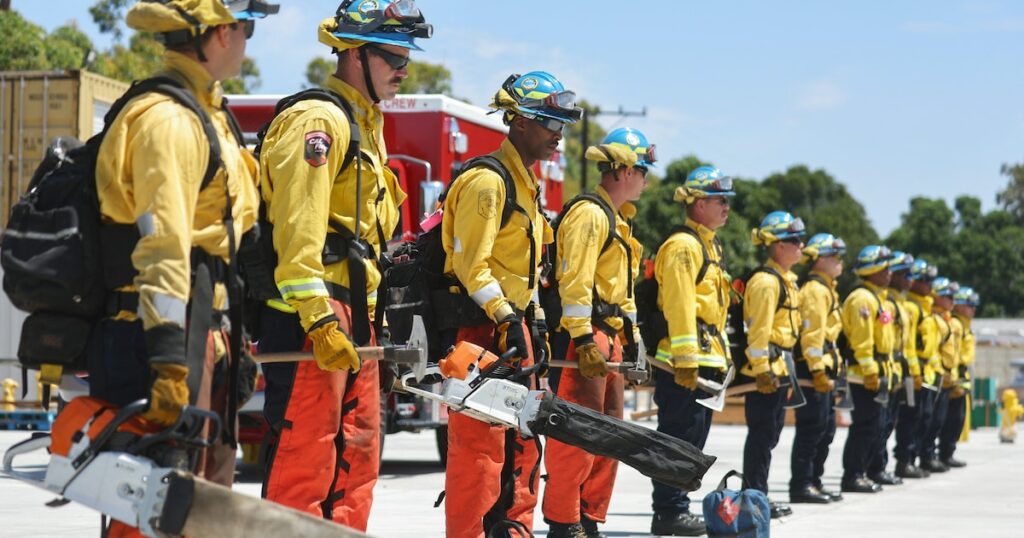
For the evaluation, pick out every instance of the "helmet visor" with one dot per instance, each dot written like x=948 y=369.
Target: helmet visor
x=724 y=184
x=795 y=227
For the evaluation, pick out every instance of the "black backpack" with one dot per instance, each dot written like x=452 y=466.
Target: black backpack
x=419 y=286
x=257 y=256
x=550 y=299
x=736 y=326
x=650 y=319
x=60 y=261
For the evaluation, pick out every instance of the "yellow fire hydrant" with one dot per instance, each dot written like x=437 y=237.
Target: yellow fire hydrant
x=1012 y=411
x=9 y=387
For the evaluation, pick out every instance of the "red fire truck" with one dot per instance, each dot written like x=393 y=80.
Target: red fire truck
x=428 y=137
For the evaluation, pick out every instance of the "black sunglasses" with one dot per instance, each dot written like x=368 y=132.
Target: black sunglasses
x=792 y=240
x=394 y=61
x=249 y=26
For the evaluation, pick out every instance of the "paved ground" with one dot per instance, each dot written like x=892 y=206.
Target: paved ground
x=984 y=499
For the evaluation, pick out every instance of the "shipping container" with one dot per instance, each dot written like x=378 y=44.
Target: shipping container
x=36 y=107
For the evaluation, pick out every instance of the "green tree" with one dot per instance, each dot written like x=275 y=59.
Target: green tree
x=108 y=14
x=247 y=81
x=317 y=71
x=425 y=77
x=22 y=46
x=1012 y=197
x=67 y=48
x=926 y=231
x=141 y=58
x=574 y=151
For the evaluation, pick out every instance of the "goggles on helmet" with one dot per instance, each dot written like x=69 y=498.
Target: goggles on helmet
x=563 y=102
x=724 y=184
x=652 y=158
x=258 y=8
x=796 y=226
x=405 y=12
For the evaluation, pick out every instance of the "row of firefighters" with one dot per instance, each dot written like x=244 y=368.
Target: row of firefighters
x=319 y=182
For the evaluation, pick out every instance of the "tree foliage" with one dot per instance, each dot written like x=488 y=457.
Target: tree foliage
x=1012 y=197
x=425 y=77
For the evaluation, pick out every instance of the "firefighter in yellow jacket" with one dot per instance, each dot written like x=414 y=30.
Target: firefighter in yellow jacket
x=692 y=304
x=910 y=434
x=903 y=327
x=868 y=320
x=908 y=416
x=596 y=264
x=332 y=205
x=771 y=313
x=965 y=302
x=817 y=362
x=492 y=266
x=946 y=365
x=150 y=166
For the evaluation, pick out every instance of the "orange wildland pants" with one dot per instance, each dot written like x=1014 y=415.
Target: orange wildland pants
x=326 y=455
x=580 y=483
x=491 y=476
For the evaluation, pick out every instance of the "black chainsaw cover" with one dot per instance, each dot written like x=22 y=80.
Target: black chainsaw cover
x=664 y=458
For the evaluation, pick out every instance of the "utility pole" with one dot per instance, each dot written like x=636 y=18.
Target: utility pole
x=586 y=131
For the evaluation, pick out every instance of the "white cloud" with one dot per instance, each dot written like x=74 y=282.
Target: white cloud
x=821 y=95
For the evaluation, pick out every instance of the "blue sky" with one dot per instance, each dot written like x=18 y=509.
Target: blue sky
x=894 y=99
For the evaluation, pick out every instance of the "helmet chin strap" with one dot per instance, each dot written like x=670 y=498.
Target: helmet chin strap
x=365 y=60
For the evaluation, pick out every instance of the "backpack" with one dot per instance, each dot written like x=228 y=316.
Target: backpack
x=736 y=326
x=257 y=256
x=60 y=261
x=650 y=319
x=550 y=299
x=419 y=286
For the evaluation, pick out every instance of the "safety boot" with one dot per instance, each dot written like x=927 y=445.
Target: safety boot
x=952 y=462
x=934 y=466
x=590 y=528
x=685 y=524
x=908 y=470
x=566 y=530
x=886 y=479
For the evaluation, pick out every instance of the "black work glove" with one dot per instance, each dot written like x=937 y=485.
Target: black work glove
x=509 y=334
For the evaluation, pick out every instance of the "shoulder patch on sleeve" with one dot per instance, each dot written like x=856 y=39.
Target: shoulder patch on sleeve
x=487 y=203
x=317 y=145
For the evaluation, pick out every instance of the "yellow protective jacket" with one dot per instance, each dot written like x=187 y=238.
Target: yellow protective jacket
x=583 y=270
x=910 y=332
x=148 y=172
x=927 y=341
x=949 y=343
x=491 y=261
x=684 y=301
x=967 y=348
x=901 y=333
x=304 y=186
x=822 y=320
x=868 y=321
x=767 y=325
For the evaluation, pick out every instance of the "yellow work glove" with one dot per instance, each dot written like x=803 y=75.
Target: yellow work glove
x=592 y=362
x=822 y=383
x=766 y=383
x=957 y=392
x=168 y=393
x=872 y=382
x=947 y=381
x=918 y=382
x=687 y=378
x=332 y=349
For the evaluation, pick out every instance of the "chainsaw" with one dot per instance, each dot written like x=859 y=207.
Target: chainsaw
x=486 y=387
x=114 y=462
